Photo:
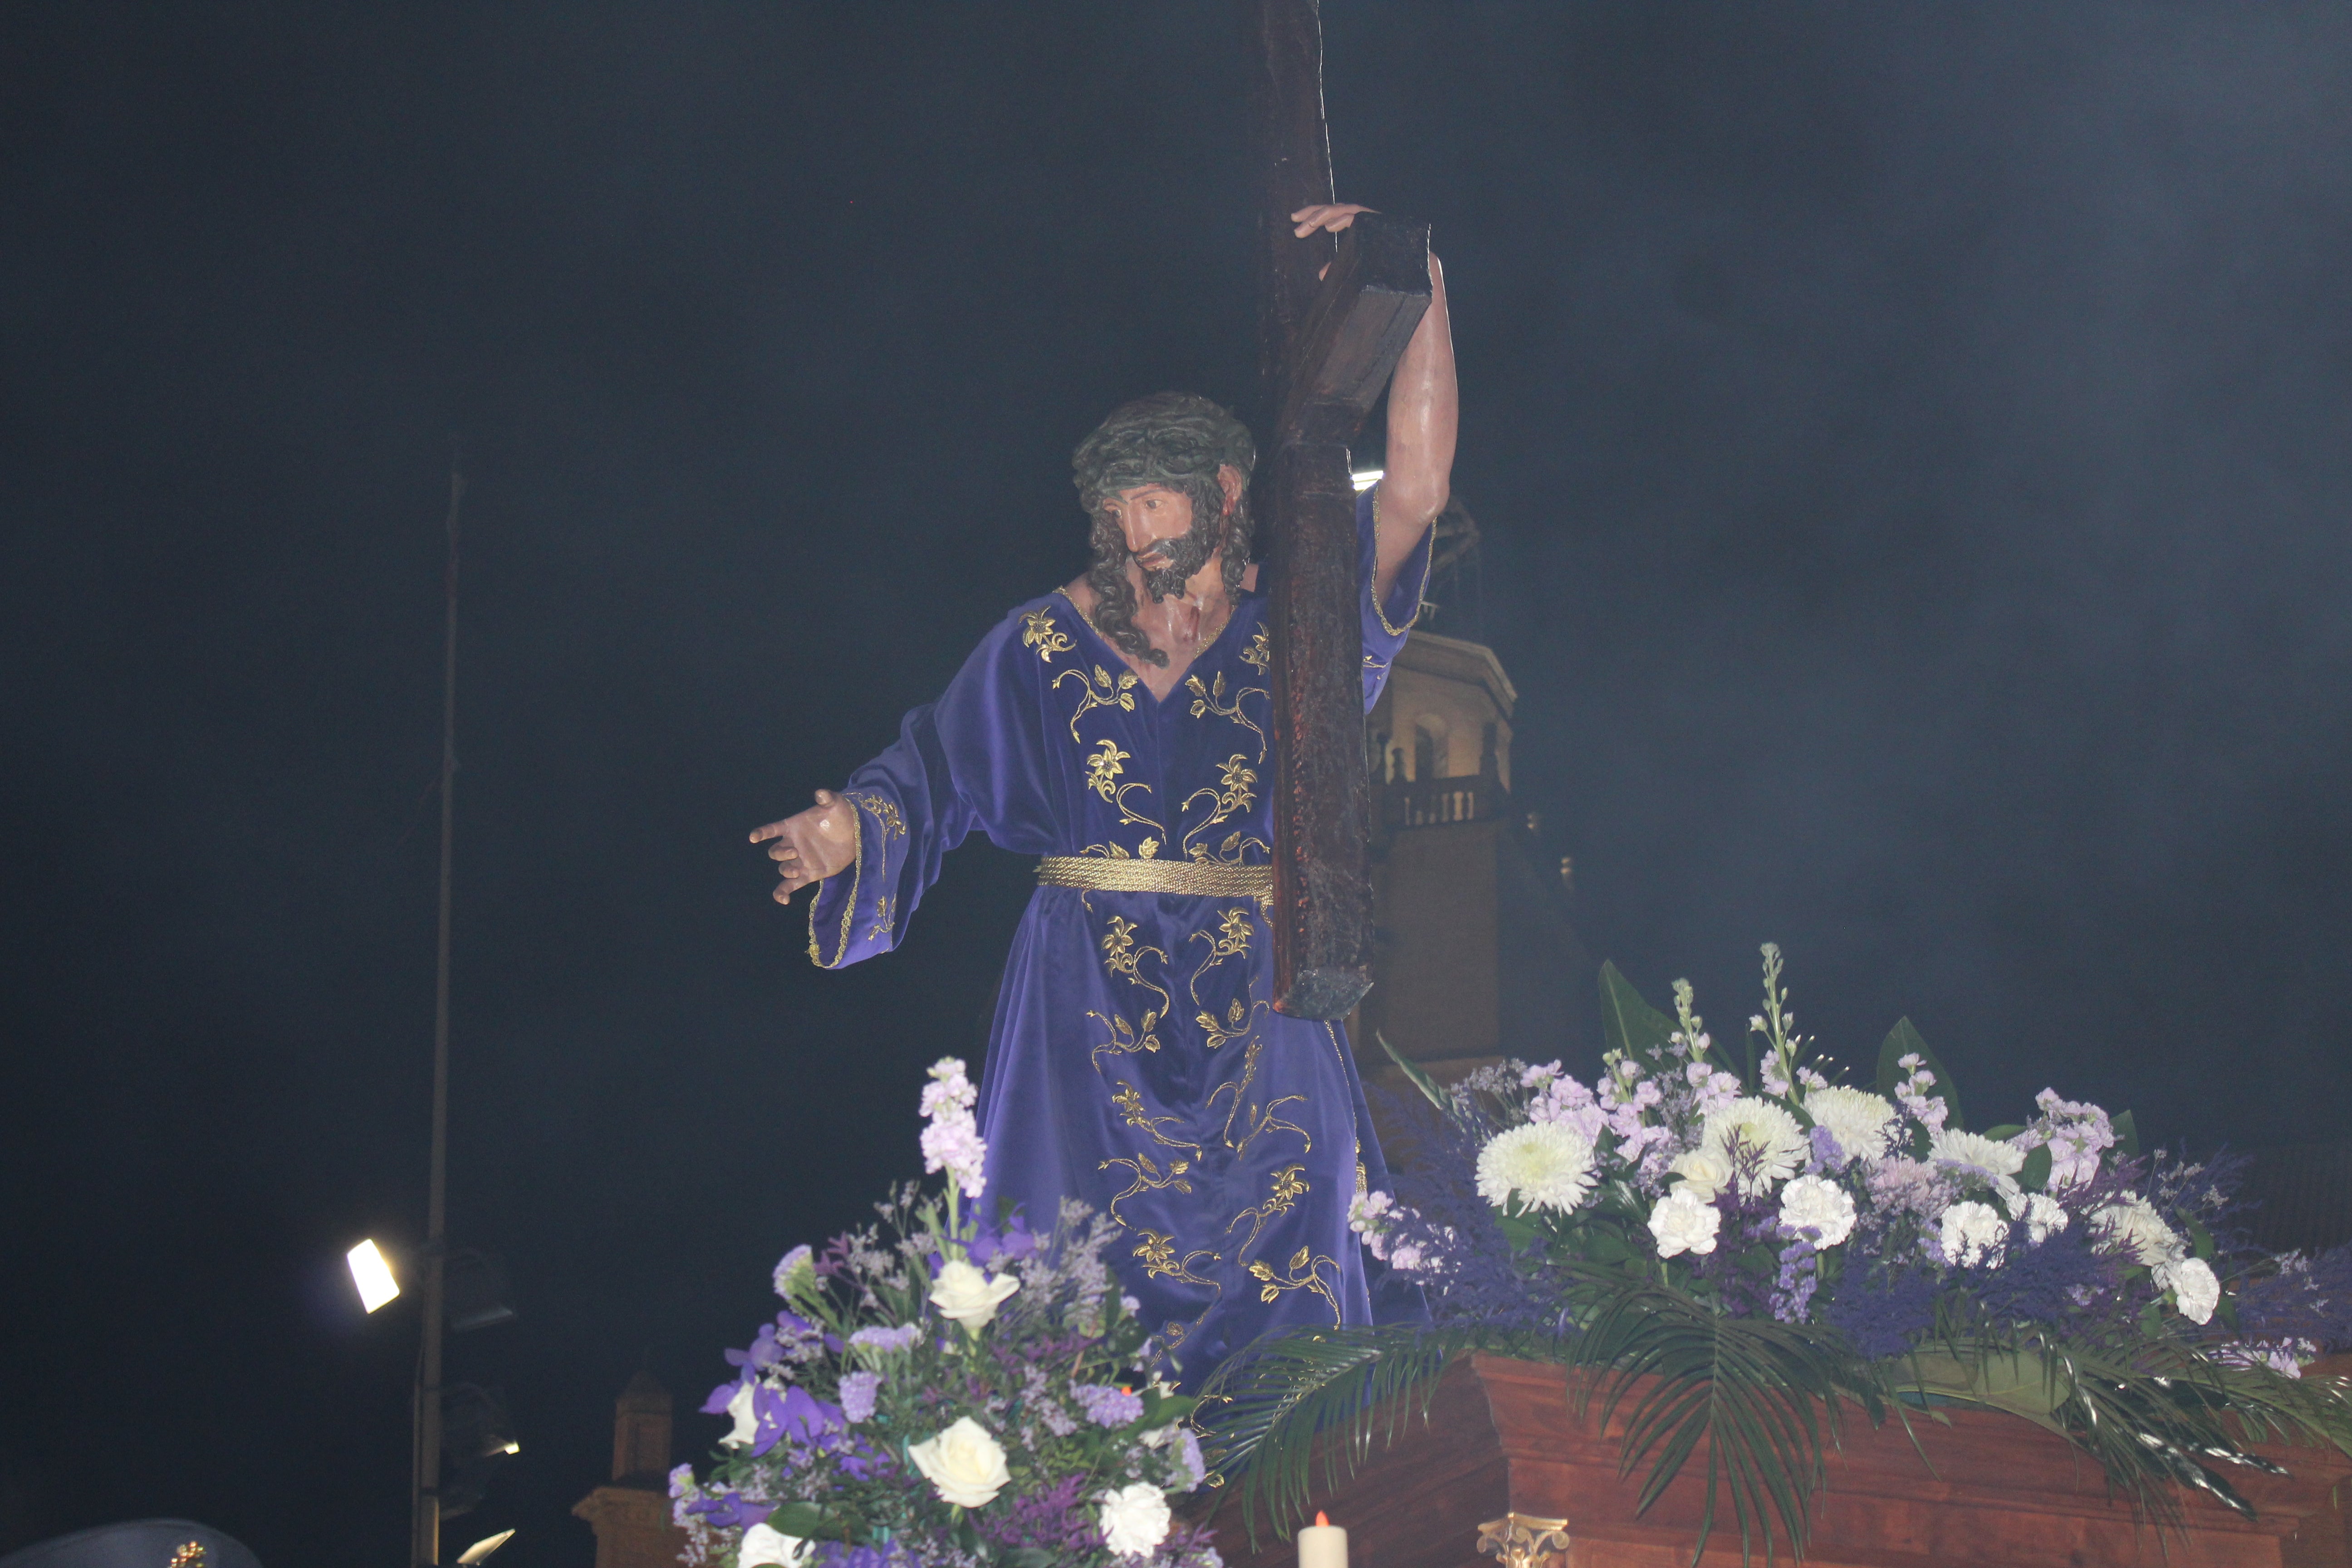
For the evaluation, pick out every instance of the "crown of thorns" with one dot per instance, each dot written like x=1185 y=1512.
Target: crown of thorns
x=1168 y=438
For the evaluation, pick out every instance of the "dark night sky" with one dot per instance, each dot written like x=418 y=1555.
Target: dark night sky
x=1912 y=441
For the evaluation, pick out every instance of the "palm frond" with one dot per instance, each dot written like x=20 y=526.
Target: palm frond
x=1762 y=1399
x=1263 y=1411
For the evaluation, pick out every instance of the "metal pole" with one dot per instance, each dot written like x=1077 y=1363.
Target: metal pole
x=424 y=1482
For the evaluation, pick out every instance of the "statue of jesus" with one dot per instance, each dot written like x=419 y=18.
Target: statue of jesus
x=1121 y=728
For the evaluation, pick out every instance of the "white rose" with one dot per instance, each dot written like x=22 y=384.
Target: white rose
x=1548 y=1166
x=1818 y=1206
x=746 y=1424
x=766 y=1548
x=2194 y=1288
x=1134 y=1519
x=964 y=1465
x=1971 y=1233
x=1682 y=1222
x=970 y=1297
x=1705 y=1170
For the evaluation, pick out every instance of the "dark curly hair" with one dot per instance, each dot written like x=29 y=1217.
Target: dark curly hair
x=1176 y=439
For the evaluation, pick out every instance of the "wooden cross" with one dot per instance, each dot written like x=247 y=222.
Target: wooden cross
x=1326 y=348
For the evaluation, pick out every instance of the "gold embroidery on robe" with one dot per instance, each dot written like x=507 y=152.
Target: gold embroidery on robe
x=1131 y=1111
x=884 y=811
x=1256 y=1119
x=1211 y=698
x=1104 y=692
x=1305 y=1273
x=1044 y=635
x=1103 y=769
x=1148 y=1179
x=1288 y=1185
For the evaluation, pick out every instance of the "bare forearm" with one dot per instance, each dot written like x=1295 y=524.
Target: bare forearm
x=1425 y=412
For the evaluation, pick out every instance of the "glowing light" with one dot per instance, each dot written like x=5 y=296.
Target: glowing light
x=1365 y=479
x=373 y=1275
x=511 y=1448
x=486 y=1544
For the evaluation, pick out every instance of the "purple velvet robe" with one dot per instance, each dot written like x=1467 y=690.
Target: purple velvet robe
x=1136 y=1061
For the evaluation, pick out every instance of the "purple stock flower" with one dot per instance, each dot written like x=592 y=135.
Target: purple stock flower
x=905 y=1337
x=858 y=1392
x=1105 y=1405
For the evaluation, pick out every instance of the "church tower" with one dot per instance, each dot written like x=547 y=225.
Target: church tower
x=1475 y=956
x=631 y=1513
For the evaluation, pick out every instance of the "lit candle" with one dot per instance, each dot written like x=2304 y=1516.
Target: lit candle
x=1322 y=1544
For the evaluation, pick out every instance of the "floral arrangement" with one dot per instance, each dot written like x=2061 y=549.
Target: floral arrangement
x=1776 y=1249
x=945 y=1392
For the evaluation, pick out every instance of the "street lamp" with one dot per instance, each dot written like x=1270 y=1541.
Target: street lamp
x=372 y=1275
x=484 y=1547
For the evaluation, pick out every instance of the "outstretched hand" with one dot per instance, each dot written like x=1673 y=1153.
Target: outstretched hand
x=810 y=846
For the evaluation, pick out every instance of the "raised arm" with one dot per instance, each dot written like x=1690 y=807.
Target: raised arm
x=1425 y=412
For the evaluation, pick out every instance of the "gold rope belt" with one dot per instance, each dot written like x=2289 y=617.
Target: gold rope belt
x=1210 y=882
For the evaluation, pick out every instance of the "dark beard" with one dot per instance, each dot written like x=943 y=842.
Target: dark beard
x=1115 y=601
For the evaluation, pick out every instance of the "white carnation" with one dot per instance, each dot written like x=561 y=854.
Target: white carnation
x=1134 y=1519
x=2194 y=1288
x=1762 y=1140
x=766 y=1548
x=1818 y=1209
x=1682 y=1222
x=1971 y=1233
x=2044 y=1217
x=2138 y=1229
x=964 y=1465
x=1859 y=1119
x=1547 y=1164
x=967 y=1296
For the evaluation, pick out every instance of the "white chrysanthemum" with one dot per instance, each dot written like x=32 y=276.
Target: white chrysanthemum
x=1684 y=1222
x=1817 y=1209
x=1859 y=1119
x=2194 y=1288
x=1971 y=1233
x=1705 y=1172
x=1548 y=1166
x=2141 y=1231
x=1974 y=1154
x=1763 y=1141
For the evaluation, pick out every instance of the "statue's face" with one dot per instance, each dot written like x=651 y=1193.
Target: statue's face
x=1165 y=538
x=1153 y=519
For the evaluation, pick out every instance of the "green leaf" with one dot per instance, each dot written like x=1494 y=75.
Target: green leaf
x=2127 y=1134
x=2005 y=1131
x=1628 y=1024
x=1029 y=1557
x=799 y=1518
x=1421 y=1080
x=2035 y=1175
x=1903 y=1040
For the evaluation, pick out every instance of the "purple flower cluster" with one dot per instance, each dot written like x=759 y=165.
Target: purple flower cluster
x=1053 y=1520
x=1105 y=1405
